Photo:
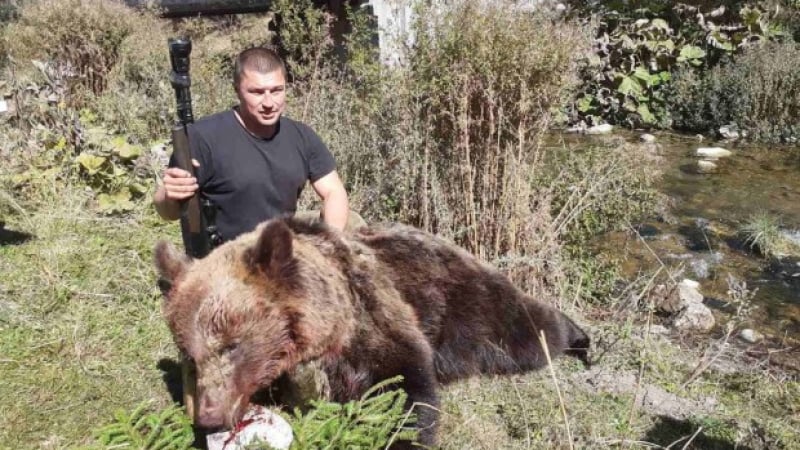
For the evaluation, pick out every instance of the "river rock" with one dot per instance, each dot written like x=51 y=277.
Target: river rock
x=730 y=131
x=703 y=266
x=3 y=106
x=706 y=166
x=678 y=298
x=648 y=138
x=786 y=269
x=695 y=317
x=600 y=129
x=750 y=336
x=713 y=152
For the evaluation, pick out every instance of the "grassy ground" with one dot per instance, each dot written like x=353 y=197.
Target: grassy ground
x=81 y=336
x=80 y=328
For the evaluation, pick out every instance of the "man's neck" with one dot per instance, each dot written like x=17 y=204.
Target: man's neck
x=254 y=128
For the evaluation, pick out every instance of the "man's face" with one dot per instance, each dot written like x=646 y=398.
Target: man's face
x=262 y=97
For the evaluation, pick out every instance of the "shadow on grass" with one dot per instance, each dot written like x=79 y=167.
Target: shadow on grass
x=11 y=237
x=171 y=375
x=673 y=433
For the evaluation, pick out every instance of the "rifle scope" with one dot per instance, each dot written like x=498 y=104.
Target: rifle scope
x=179 y=50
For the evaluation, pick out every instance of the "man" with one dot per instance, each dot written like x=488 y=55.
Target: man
x=250 y=160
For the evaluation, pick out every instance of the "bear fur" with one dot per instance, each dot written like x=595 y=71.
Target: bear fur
x=366 y=306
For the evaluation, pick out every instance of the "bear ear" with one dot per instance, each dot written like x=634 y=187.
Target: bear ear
x=272 y=253
x=170 y=262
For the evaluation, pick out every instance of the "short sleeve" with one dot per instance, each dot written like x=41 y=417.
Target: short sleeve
x=320 y=159
x=200 y=150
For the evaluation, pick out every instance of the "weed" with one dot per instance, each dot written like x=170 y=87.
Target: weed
x=761 y=233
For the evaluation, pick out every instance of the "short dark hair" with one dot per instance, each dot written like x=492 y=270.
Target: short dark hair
x=259 y=59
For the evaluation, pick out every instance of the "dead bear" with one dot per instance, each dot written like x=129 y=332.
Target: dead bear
x=368 y=305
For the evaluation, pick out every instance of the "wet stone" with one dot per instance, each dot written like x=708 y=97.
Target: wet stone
x=750 y=336
x=698 y=237
x=647 y=230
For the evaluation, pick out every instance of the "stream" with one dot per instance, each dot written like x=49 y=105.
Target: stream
x=705 y=213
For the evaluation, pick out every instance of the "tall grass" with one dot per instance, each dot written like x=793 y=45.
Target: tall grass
x=450 y=140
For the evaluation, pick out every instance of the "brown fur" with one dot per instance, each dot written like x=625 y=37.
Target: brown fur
x=369 y=305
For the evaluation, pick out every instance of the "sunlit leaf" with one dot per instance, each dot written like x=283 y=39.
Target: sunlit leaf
x=645 y=114
x=91 y=163
x=585 y=103
x=660 y=24
x=127 y=151
x=692 y=52
x=629 y=86
x=642 y=74
x=118 y=202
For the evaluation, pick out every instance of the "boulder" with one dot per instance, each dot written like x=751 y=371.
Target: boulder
x=695 y=317
x=679 y=298
x=648 y=138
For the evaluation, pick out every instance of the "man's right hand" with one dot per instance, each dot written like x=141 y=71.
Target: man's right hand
x=179 y=184
x=176 y=185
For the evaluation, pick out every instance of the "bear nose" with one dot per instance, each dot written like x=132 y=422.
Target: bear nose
x=210 y=414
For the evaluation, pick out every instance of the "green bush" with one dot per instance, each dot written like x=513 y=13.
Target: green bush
x=641 y=45
x=759 y=91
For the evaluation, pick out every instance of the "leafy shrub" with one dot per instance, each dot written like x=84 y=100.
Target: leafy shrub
x=759 y=91
x=641 y=44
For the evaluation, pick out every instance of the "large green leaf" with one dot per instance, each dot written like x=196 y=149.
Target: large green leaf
x=91 y=163
x=118 y=202
x=660 y=24
x=691 y=52
x=127 y=151
x=645 y=113
x=642 y=74
x=629 y=86
x=584 y=103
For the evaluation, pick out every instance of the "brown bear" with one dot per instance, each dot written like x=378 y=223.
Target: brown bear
x=366 y=306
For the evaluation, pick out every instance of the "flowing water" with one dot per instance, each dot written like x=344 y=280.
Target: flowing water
x=700 y=230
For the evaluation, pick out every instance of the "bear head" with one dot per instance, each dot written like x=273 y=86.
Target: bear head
x=236 y=315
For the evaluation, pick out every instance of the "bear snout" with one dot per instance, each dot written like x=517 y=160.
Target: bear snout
x=211 y=414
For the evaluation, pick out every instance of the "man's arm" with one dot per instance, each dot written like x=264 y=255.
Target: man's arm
x=334 y=200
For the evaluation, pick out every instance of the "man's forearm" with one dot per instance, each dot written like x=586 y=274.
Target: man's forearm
x=335 y=209
x=166 y=208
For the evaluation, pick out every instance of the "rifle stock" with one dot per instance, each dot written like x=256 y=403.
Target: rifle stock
x=193 y=226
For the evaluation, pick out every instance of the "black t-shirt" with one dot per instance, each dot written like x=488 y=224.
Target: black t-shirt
x=251 y=179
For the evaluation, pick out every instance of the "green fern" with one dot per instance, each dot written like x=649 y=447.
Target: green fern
x=369 y=423
x=169 y=429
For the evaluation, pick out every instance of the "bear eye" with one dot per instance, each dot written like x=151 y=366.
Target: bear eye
x=230 y=347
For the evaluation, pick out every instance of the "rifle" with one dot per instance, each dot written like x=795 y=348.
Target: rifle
x=198 y=230
x=194 y=227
